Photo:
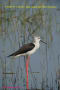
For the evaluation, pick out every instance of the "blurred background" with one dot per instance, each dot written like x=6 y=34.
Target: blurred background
x=17 y=26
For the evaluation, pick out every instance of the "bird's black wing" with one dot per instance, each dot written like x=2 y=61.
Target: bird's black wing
x=25 y=48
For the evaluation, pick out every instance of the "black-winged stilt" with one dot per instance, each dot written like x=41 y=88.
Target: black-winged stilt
x=28 y=49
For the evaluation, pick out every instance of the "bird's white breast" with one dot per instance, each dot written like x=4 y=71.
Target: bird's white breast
x=34 y=49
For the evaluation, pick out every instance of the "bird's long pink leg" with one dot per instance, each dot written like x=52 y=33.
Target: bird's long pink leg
x=27 y=63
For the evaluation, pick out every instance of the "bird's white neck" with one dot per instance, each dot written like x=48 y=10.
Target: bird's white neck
x=37 y=45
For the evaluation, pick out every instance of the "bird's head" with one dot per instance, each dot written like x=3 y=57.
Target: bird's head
x=37 y=39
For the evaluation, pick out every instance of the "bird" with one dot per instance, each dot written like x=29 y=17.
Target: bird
x=28 y=49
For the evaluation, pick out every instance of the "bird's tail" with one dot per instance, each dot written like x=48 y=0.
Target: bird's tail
x=11 y=55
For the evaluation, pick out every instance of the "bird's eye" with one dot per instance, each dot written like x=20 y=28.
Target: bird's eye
x=38 y=37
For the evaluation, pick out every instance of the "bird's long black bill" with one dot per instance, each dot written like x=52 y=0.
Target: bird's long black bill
x=43 y=41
